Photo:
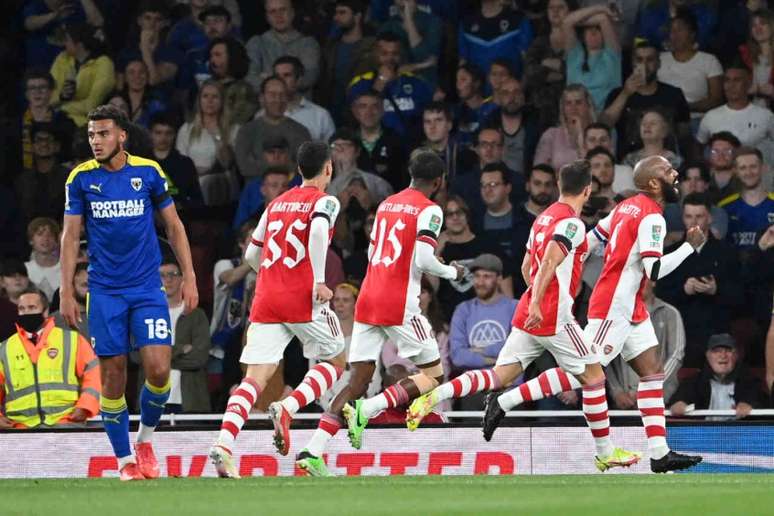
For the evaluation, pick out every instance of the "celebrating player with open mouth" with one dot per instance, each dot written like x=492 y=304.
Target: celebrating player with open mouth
x=403 y=238
x=544 y=319
x=288 y=250
x=619 y=322
x=117 y=193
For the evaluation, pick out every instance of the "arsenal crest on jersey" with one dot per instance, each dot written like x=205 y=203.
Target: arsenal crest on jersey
x=136 y=183
x=52 y=353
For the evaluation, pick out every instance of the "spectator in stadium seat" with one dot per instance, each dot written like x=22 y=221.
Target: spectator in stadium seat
x=622 y=381
x=544 y=64
x=420 y=34
x=83 y=74
x=752 y=124
x=706 y=287
x=480 y=326
x=44 y=267
x=204 y=26
x=382 y=151
x=655 y=136
x=641 y=91
x=259 y=193
x=40 y=188
x=724 y=383
x=494 y=30
x=190 y=348
x=345 y=55
x=272 y=121
x=80 y=291
x=654 y=17
x=38 y=85
x=698 y=74
x=469 y=84
x=563 y=143
x=751 y=210
x=281 y=40
x=458 y=243
x=437 y=124
x=499 y=71
x=209 y=140
x=14 y=279
x=346 y=150
x=603 y=170
x=65 y=387
x=594 y=61
x=724 y=181
x=315 y=118
x=182 y=177
x=147 y=43
x=694 y=179
x=142 y=100
x=598 y=134
x=757 y=55
x=228 y=63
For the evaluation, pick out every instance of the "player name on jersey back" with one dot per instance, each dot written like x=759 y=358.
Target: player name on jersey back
x=290 y=207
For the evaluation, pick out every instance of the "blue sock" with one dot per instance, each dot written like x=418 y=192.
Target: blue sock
x=115 y=419
x=152 y=402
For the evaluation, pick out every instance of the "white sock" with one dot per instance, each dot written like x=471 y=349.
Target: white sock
x=145 y=433
x=123 y=461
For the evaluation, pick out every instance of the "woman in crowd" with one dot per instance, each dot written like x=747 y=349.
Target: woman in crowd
x=142 y=101
x=564 y=143
x=758 y=54
x=655 y=133
x=595 y=60
x=209 y=140
x=698 y=74
x=229 y=65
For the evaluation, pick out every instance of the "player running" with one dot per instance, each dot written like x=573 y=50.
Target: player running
x=619 y=322
x=117 y=194
x=288 y=250
x=544 y=319
x=402 y=243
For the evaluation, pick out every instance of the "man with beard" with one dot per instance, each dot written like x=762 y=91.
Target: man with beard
x=116 y=196
x=724 y=182
x=518 y=125
x=619 y=322
x=80 y=292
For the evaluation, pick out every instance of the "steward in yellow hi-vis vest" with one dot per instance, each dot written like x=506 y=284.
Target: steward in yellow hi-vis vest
x=46 y=375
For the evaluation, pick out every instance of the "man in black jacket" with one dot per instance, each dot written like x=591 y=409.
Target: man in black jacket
x=723 y=383
x=706 y=287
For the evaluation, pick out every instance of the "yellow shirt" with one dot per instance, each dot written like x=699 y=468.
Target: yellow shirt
x=93 y=81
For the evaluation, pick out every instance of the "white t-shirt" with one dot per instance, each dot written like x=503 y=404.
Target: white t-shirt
x=45 y=278
x=752 y=125
x=623 y=179
x=691 y=76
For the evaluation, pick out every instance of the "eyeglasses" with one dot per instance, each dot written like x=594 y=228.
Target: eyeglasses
x=454 y=213
x=490 y=185
x=722 y=152
x=170 y=275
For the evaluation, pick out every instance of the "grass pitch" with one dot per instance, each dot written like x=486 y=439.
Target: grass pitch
x=704 y=494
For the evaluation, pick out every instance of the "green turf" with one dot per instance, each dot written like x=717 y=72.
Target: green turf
x=524 y=495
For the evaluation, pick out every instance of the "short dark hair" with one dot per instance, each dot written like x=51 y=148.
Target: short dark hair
x=109 y=112
x=425 y=165
x=461 y=203
x=31 y=289
x=312 y=157
x=685 y=15
x=703 y=170
x=39 y=73
x=262 y=87
x=80 y=267
x=163 y=118
x=13 y=266
x=737 y=63
x=277 y=170
x=489 y=128
x=640 y=43
x=541 y=167
x=438 y=106
x=153 y=6
x=596 y=151
x=169 y=259
x=746 y=150
x=574 y=177
x=388 y=36
x=505 y=63
x=724 y=136
x=474 y=72
x=698 y=199
x=298 y=66
x=45 y=127
x=238 y=60
x=367 y=93
x=498 y=166
x=356 y=5
x=347 y=134
x=597 y=125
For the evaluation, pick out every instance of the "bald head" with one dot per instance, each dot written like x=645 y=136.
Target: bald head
x=652 y=167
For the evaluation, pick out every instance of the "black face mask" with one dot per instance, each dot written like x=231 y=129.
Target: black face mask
x=30 y=322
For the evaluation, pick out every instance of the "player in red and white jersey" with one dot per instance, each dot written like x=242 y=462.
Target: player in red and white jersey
x=402 y=247
x=618 y=319
x=288 y=251
x=544 y=320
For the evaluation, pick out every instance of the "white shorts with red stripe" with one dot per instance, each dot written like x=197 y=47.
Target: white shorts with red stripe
x=614 y=337
x=414 y=338
x=571 y=349
x=321 y=338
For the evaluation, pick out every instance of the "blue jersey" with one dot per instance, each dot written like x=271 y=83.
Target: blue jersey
x=117 y=208
x=745 y=221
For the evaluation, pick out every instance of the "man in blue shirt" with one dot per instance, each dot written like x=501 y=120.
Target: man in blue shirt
x=751 y=210
x=115 y=195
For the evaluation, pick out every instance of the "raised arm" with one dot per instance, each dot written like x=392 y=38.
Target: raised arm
x=576 y=17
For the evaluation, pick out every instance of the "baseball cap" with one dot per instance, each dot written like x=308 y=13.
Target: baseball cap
x=215 y=10
x=487 y=262
x=275 y=142
x=721 y=340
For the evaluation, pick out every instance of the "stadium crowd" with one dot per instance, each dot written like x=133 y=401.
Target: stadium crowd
x=222 y=92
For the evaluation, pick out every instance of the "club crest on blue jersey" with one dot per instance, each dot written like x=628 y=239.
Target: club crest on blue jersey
x=136 y=183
